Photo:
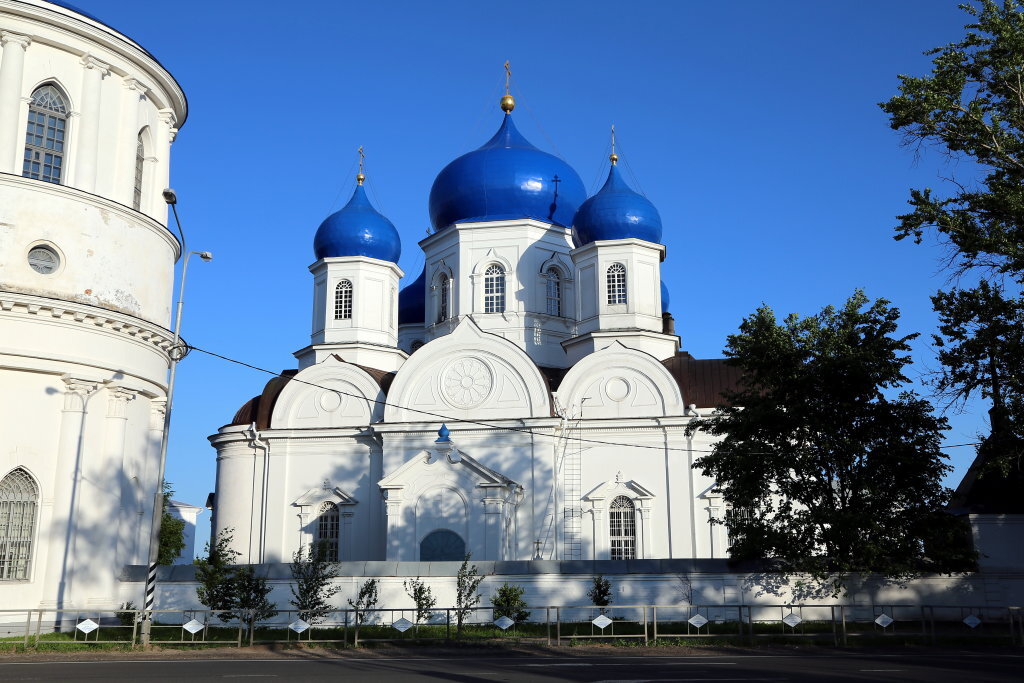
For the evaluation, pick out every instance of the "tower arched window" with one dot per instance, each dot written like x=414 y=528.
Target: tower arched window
x=328 y=524
x=553 y=291
x=343 y=300
x=444 y=297
x=622 y=528
x=494 y=289
x=19 y=505
x=140 y=163
x=45 y=137
x=616 y=281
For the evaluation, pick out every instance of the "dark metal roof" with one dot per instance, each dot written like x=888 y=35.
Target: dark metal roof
x=703 y=381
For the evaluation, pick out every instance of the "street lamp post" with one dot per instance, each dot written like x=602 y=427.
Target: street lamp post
x=176 y=353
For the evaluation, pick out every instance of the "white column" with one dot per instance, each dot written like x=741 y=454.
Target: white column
x=120 y=490
x=601 y=549
x=394 y=510
x=345 y=548
x=165 y=132
x=11 y=69
x=492 y=528
x=129 y=133
x=87 y=147
x=67 y=480
x=645 y=533
x=147 y=472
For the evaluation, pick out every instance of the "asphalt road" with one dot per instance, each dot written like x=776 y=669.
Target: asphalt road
x=931 y=667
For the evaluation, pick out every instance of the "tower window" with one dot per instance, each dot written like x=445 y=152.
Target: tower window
x=43 y=260
x=622 y=528
x=553 y=292
x=45 y=135
x=494 y=289
x=19 y=502
x=327 y=531
x=616 y=284
x=140 y=162
x=444 y=296
x=343 y=300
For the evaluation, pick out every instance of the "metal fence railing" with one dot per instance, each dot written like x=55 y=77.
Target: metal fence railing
x=554 y=625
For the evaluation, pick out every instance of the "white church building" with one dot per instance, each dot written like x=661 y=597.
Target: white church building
x=524 y=397
x=87 y=117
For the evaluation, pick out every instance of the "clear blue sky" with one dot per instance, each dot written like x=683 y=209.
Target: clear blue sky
x=752 y=126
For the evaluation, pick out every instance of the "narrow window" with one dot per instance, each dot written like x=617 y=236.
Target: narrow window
x=494 y=289
x=327 y=531
x=553 y=291
x=44 y=138
x=622 y=529
x=616 y=284
x=444 y=296
x=140 y=162
x=343 y=300
x=19 y=501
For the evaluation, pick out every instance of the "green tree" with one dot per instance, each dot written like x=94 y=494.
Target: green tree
x=467 y=583
x=172 y=530
x=215 y=576
x=366 y=599
x=508 y=602
x=314 y=585
x=422 y=596
x=834 y=474
x=971 y=107
x=251 y=604
x=600 y=592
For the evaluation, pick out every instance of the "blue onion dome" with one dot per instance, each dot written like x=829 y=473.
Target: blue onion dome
x=617 y=212
x=411 y=300
x=358 y=230
x=505 y=179
x=665 y=299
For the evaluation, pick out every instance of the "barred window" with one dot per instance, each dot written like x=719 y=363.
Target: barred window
x=19 y=503
x=494 y=289
x=622 y=528
x=343 y=300
x=327 y=531
x=553 y=292
x=140 y=162
x=45 y=136
x=444 y=296
x=616 y=284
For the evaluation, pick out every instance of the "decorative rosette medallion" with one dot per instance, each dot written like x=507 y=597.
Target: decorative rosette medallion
x=467 y=382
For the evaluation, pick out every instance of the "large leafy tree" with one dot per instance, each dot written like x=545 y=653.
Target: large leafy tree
x=172 y=530
x=825 y=470
x=971 y=107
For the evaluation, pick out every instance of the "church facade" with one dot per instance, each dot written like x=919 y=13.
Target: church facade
x=523 y=397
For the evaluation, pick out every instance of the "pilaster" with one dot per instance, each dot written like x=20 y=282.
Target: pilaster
x=87 y=146
x=12 y=68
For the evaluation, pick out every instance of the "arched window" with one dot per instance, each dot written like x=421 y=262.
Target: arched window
x=343 y=300
x=45 y=136
x=622 y=529
x=616 y=284
x=494 y=289
x=553 y=291
x=442 y=546
x=444 y=297
x=19 y=502
x=327 y=525
x=140 y=162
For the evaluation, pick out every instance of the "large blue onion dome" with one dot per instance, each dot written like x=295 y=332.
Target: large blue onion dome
x=665 y=299
x=617 y=212
x=504 y=179
x=412 y=300
x=357 y=230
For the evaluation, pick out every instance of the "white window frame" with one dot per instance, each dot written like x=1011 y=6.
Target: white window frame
x=19 y=517
x=328 y=531
x=615 y=282
x=553 y=292
x=46 y=135
x=622 y=518
x=494 y=289
x=343 y=300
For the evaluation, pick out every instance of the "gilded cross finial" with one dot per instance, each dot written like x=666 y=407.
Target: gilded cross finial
x=613 y=157
x=360 y=177
x=508 y=103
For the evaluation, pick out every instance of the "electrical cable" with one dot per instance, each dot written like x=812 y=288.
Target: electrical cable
x=455 y=420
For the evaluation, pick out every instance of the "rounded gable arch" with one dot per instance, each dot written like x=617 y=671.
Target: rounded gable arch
x=468 y=374
x=330 y=394
x=620 y=382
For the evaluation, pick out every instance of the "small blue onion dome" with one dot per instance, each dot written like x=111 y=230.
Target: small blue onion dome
x=411 y=300
x=665 y=299
x=617 y=212
x=357 y=230
x=505 y=179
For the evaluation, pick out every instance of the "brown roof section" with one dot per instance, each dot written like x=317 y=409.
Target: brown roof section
x=702 y=381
